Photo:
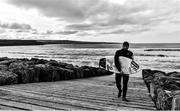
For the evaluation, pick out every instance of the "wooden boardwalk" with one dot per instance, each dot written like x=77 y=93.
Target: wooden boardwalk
x=97 y=93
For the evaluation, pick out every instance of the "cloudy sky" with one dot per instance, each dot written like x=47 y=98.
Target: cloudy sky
x=91 y=20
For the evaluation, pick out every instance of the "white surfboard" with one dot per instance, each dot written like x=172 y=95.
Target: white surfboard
x=128 y=66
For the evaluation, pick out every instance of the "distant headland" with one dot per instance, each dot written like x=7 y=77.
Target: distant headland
x=44 y=42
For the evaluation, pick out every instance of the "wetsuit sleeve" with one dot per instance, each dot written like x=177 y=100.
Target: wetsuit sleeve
x=116 y=61
x=132 y=56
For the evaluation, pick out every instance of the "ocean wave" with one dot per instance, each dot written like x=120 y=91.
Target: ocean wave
x=151 y=55
x=64 y=54
x=162 y=50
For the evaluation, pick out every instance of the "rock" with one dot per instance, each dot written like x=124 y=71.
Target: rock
x=87 y=73
x=4 y=58
x=78 y=72
x=163 y=100
x=102 y=62
x=3 y=67
x=6 y=62
x=63 y=65
x=101 y=72
x=149 y=75
x=46 y=72
x=26 y=73
x=53 y=63
x=54 y=73
x=161 y=87
x=38 y=61
x=176 y=101
x=69 y=66
x=18 y=64
x=64 y=74
x=7 y=78
x=40 y=70
x=174 y=74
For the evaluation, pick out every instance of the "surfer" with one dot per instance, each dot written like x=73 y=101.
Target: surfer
x=121 y=66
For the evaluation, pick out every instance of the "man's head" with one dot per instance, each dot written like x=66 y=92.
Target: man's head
x=125 y=45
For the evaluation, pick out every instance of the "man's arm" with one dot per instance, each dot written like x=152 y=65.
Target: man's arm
x=116 y=61
x=132 y=56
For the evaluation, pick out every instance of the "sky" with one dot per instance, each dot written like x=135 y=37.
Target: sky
x=138 y=21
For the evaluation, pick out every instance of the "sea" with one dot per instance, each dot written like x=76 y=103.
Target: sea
x=156 y=56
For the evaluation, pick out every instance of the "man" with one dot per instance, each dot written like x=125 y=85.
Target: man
x=124 y=52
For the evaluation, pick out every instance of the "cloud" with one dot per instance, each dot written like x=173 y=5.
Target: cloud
x=50 y=32
x=15 y=26
x=84 y=34
x=102 y=11
x=123 y=31
x=2 y=31
x=81 y=17
x=66 y=32
x=81 y=26
x=70 y=10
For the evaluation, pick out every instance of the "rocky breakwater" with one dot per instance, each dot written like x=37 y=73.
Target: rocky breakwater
x=17 y=71
x=164 y=88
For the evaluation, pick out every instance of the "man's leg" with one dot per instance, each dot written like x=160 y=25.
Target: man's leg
x=118 y=83
x=125 y=86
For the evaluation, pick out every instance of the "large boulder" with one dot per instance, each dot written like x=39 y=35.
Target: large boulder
x=162 y=87
x=3 y=67
x=38 y=61
x=26 y=73
x=7 y=78
x=46 y=72
x=40 y=70
x=7 y=62
x=54 y=73
x=176 y=101
x=4 y=58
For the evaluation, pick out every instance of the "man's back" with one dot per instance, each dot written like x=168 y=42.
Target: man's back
x=122 y=53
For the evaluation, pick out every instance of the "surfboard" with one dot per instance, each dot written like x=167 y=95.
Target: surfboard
x=128 y=66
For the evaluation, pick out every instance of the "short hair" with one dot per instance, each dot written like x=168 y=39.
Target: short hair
x=126 y=44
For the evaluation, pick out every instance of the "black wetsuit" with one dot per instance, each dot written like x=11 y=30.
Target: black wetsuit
x=124 y=53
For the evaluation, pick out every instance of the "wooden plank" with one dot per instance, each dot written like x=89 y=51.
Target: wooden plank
x=47 y=104
x=98 y=93
x=96 y=100
x=22 y=106
x=6 y=107
x=54 y=99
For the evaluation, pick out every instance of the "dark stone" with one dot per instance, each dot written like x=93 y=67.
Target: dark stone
x=161 y=87
x=174 y=74
x=6 y=62
x=26 y=73
x=3 y=67
x=53 y=63
x=40 y=70
x=46 y=72
x=38 y=61
x=4 y=58
x=7 y=78
x=102 y=62
x=63 y=65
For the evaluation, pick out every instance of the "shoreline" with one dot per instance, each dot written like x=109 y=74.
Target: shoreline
x=46 y=42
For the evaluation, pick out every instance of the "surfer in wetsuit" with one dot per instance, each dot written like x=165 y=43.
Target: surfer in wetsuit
x=124 y=52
